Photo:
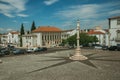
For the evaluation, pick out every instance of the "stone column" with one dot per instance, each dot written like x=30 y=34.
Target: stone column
x=78 y=55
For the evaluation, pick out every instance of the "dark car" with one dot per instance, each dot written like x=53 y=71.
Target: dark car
x=1 y=54
x=104 y=47
x=10 y=47
x=18 y=51
x=40 y=49
x=43 y=49
x=118 y=47
x=6 y=51
x=112 y=48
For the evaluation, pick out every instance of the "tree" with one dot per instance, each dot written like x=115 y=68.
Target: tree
x=95 y=39
x=85 y=39
x=64 y=41
x=72 y=40
x=22 y=30
x=33 y=27
x=21 y=33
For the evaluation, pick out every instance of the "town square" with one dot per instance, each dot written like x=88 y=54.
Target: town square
x=59 y=40
x=100 y=65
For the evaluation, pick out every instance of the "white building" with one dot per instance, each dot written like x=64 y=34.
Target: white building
x=4 y=39
x=114 y=31
x=47 y=36
x=101 y=34
x=29 y=40
x=10 y=38
x=67 y=33
x=13 y=37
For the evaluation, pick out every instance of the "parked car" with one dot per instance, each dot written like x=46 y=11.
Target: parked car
x=98 y=47
x=10 y=47
x=18 y=51
x=38 y=49
x=6 y=51
x=104 y=47
x=1 y=53
x=30 y=50
x=112 y=48
x=43 y=49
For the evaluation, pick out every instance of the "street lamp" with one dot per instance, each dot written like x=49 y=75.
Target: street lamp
x=78 y=55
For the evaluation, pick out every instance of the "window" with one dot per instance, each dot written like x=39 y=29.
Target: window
x=12 y=35
x=118 y=21
x=118 y=34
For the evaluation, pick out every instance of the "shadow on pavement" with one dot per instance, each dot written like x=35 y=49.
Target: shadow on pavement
x=67 y=60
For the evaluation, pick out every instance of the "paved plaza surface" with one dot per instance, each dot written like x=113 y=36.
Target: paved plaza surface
x=100 y=65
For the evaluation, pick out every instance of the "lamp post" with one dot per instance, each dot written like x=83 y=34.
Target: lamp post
x=78 y=55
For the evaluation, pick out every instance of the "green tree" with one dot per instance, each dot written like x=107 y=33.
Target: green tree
x=85 y=39
x=95 y=39
x=21 y=33
x=33 y=27
x=72 y=40
x=64 y=41
x=22 y=30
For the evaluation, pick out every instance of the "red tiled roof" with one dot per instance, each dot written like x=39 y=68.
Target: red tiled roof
x=95 y=32
x=47 y=29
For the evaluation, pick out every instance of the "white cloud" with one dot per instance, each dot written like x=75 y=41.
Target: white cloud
x=5 y=30
x=90 y=14
x=81 y=11
x=14 y=21
x=114 y=12
x=50 y=2
x=9 y=29
x=7 y=14
x=22 y=15
x=11 y=8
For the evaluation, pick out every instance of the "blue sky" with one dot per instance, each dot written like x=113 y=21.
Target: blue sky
x=59 y=13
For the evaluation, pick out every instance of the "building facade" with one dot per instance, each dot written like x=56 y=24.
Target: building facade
x=47 y=36
x=10 y=38
x=114 y=31
x=29 y=40
x=101 y=34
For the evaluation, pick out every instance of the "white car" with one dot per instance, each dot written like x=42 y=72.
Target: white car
x=30 y=50
x=98 y=47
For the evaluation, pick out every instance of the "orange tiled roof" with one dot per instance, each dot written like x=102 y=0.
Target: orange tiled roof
x=95 y=32
x=47 y=29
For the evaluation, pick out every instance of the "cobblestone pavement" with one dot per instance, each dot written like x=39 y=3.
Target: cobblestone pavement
x=100 y=65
